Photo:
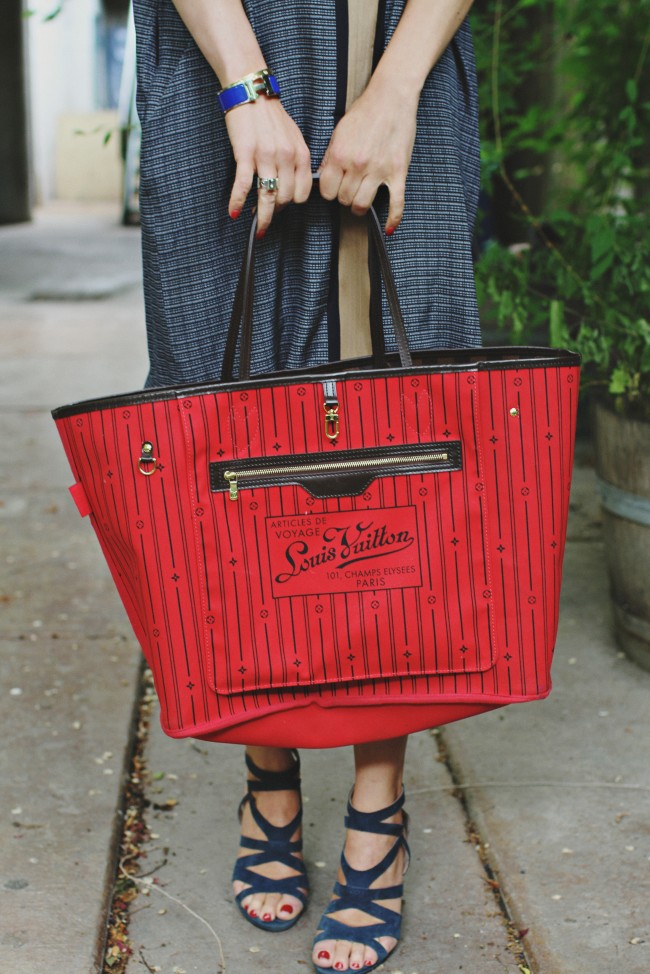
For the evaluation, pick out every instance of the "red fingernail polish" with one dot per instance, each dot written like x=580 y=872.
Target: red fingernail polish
x=267 y=917
x=390 y=231
x=324 y=954
x=234 y=214
x=259 y=235
x=287 y=908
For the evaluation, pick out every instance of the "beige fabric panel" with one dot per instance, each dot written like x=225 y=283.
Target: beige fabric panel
x=354 y=284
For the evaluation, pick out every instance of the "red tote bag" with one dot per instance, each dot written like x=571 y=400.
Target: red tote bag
x=338 y=555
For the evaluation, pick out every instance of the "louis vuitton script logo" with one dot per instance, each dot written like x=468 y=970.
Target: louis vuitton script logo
x=343 y=546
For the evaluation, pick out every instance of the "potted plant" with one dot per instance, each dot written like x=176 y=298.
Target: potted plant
x=580 y=276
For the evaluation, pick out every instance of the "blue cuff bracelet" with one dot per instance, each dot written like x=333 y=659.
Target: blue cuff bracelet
x=249 y=89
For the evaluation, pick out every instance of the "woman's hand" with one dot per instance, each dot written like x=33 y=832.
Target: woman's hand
x=267 y=142
x=373 y=143
x=370 y=147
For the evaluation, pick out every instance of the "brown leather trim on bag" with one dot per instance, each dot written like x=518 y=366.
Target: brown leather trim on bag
x=433 y=361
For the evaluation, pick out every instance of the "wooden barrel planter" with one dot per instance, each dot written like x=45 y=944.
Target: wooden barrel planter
x=623 y=468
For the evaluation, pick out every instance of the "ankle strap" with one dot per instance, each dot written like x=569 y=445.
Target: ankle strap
x=288 y=780
x=374 y=821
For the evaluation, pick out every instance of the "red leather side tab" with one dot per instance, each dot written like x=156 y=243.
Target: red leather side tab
x=80 y=499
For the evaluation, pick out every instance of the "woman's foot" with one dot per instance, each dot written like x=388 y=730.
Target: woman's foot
x=271 y=812
x=376 y=846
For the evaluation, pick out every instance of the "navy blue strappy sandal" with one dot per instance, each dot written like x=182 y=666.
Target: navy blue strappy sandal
x=356 y=894
x=276 y=847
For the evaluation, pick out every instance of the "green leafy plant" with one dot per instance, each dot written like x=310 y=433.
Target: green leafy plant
x=582 y=274
x=52 y=15
x=598 y=304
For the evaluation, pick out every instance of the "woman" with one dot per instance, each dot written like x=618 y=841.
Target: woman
x=371 y=94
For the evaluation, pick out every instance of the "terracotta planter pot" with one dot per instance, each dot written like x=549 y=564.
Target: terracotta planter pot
x=623 y=467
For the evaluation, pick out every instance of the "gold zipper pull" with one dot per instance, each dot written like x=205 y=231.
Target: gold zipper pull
x=331 y=406
x=232 y=484
x=331 y=420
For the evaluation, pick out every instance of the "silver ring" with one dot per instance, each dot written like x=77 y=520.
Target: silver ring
x=269 y=183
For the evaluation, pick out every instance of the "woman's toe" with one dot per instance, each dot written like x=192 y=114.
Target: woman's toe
x=288 y=908
x=253 y=905
x=357 y=957
x=388 y=943
x=369 y=957
x=269 y=907
x=341 y=959
x=323 y=953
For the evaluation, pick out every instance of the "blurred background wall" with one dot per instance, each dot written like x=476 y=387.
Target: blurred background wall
x=60 y=70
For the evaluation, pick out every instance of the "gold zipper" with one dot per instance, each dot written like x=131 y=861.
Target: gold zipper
x=331 y=467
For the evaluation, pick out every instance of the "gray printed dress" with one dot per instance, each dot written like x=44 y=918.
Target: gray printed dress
x=192 y=250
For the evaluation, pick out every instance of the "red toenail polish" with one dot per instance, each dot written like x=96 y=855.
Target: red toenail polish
x=324 y=954
x=287 y=908
x=252 y=913
x=355 y=966
x=338 y=966
x=267 y=917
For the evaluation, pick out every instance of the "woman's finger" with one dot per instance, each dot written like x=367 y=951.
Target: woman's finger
x=266 y=200
x=331 y=175
x=395 y=206
x=286 y=178
x=266 y=168
x=241 y=187
x=349 y=187
x=364 y=196
x=304 y=180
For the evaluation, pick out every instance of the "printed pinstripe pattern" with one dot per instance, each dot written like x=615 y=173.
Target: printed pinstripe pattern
x=441 y=584
x=192 y=250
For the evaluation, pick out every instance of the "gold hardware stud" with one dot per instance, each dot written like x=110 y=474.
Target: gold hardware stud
x=147 y=464
x=514 y=412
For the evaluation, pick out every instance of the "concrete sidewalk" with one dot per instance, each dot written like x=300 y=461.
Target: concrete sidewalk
x=69 y=662
x=559 y=791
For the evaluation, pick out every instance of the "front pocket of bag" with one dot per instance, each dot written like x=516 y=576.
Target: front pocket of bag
x=348 y=475
x=347 y=567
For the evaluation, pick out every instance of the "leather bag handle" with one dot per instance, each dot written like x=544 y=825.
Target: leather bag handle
x=241 y=319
